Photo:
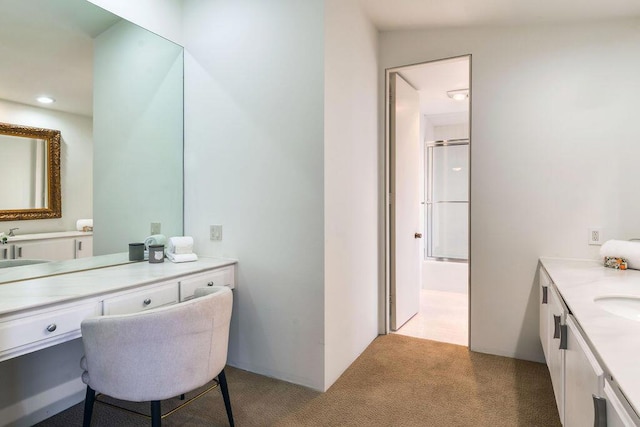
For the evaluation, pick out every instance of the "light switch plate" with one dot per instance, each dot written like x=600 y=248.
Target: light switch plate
x=156 y=228
x=215 y=232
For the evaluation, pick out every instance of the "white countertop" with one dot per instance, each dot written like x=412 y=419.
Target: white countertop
x=43 y=291
x=615 y=339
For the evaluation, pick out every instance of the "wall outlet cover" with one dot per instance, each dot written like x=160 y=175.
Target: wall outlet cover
x=215 y=232
x=156 y=228
x=595 y=236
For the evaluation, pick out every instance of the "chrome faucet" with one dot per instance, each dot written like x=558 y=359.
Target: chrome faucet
x=11 y=233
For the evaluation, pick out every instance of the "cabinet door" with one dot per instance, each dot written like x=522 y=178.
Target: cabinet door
x=619 y=412
x=545 y=283
x=557 y=315
x=50 y=249
x=584 y=379
x=84 y=247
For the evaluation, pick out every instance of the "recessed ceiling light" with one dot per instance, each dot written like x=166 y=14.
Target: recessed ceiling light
x=45 y=100
x=459 y=94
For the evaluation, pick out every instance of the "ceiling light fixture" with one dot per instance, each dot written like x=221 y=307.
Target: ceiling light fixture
x=45 y=100
x=458 y=94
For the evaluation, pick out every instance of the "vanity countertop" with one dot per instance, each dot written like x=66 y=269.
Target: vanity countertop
x=45 y=291
x=615 y=339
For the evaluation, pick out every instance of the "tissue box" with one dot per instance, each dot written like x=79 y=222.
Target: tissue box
x=617 y=263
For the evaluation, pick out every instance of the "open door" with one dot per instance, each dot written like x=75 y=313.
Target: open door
x=404 y=128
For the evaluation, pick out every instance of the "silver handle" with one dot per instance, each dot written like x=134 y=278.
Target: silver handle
x=600 y=411
x=79 y=246
x=544 y=294
x=52 y=327
x=147 y=301
x=210 y=284
x=563 y=337
x=19 y=251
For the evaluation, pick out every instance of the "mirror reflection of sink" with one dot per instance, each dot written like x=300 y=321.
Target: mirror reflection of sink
x=627 y=307
x=18 y=262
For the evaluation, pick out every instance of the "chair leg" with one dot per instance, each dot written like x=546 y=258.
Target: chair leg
x=156 y=415
x=89 y=400
x=225 y=396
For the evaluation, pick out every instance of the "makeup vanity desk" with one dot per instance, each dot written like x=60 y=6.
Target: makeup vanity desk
x=42 y=312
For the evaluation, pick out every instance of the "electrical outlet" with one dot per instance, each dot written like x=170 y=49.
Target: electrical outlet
x=595 y=236
x=215 y=232
x=156 y=228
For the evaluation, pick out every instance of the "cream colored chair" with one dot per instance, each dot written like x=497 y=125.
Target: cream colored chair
x=159 y=353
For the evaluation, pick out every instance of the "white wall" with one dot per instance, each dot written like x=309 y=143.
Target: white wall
x=138 y=132
x=254 y=96
x=554 y=151
x=76 y=170
x=351 y=178
x=163 y=17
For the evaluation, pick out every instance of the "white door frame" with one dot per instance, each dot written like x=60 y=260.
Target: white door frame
x=384 y=309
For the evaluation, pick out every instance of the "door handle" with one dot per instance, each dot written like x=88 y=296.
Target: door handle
x=418 y=235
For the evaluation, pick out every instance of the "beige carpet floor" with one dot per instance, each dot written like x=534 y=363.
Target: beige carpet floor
x=397 y=381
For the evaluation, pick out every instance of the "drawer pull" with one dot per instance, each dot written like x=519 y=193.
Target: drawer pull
x=210 y=284
x=600 y=411
x=52 y=327
x=147 y=301
x=544 y=294
x=563 y=337
x=556 y=326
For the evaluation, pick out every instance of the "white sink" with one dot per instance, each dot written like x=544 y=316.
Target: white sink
x=627 y=307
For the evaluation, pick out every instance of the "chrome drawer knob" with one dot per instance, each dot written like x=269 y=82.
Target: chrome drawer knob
x=210 y=284
x=52 y=327
x=147 y=301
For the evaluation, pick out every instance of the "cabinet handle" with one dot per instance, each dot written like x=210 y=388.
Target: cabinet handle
x=5 y=253
x=210 y=284
x=19 y=251
x=545 y=290
x=599 y=411
x=563 y=337
x=556 y=326
x=147 y=301
x=52 y=327
x=79 y=246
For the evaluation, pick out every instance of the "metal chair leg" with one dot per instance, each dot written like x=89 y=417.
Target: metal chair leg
x=89 y=400
x=225 y=396
x=156 y=415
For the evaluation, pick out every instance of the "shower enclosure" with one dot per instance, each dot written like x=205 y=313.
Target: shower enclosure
x=446 y=200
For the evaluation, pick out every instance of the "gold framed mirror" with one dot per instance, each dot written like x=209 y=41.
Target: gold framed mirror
x=29 y=173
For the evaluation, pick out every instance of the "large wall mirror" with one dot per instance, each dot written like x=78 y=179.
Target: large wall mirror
x=118 y=92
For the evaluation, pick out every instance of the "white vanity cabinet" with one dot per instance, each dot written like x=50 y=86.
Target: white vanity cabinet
x=584 y=404
x=49 y=246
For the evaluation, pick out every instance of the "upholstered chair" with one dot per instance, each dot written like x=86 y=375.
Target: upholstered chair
x=159 y=353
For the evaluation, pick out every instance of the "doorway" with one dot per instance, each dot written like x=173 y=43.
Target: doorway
x=434 y=302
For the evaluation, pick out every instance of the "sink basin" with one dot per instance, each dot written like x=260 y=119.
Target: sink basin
x=627 y=307
x=19 y=262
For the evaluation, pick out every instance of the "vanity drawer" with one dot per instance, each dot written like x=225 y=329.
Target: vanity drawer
x=146 y=299
x=45 y=325
x=219 y=277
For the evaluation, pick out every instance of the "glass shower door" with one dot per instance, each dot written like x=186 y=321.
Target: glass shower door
x=447 y=200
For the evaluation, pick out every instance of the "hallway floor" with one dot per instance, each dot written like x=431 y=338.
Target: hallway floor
x=443 y=317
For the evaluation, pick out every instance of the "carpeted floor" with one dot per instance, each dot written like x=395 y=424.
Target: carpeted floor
x=397 y=381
